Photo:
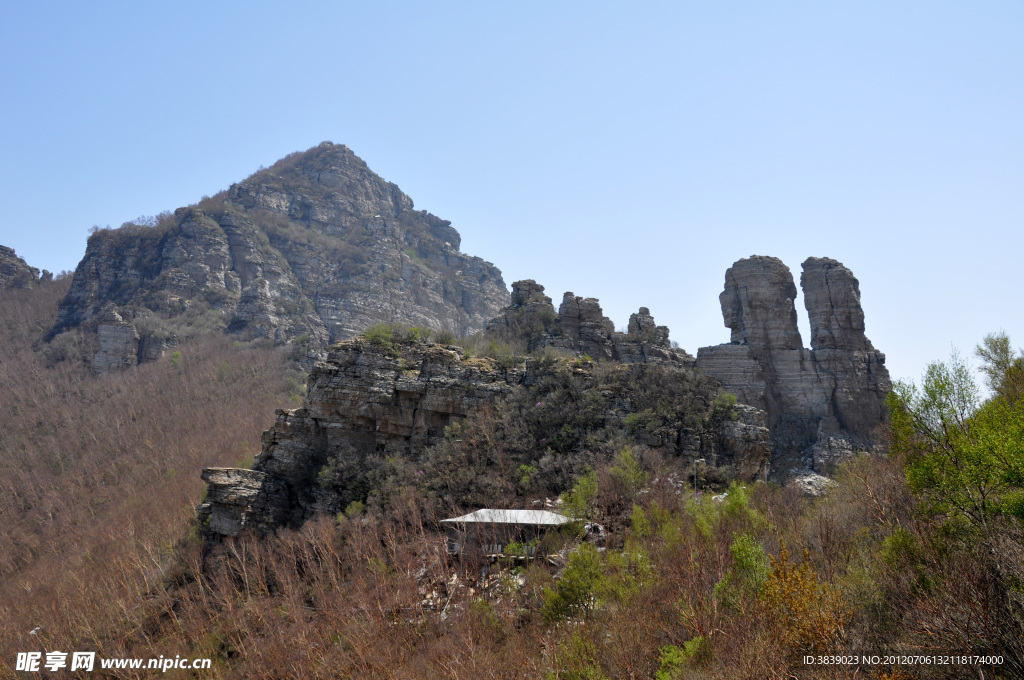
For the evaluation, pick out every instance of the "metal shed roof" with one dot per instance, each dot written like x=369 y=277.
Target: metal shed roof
x=526 y=517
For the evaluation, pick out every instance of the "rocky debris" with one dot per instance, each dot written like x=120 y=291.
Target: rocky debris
x=810 y=483
x=15 y=272
x=119 y=344
x=316 y=248
x=823 y=404
x=580 y=328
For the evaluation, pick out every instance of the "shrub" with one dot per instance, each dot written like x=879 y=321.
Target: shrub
x=576 y=591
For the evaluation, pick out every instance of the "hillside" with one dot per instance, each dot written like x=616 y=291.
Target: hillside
x=310 y=251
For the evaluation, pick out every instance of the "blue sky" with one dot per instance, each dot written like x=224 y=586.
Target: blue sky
x=629 y=153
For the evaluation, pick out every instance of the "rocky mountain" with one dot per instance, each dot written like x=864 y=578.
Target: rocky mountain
x=15 y=272
x=823 y=403
x=310 y=251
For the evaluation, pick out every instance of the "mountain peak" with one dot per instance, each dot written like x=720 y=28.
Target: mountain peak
x=317 y=247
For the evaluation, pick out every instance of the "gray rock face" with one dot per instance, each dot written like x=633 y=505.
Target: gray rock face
x=757 y=304
x=743 y=444
x=15 y=272
x=832 y=298
x=585 y=326
x=823 y=404
x=641 y=325
x=316 y=248
x=119 y=344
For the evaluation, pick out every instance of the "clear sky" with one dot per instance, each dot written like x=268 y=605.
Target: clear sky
x=625 y=151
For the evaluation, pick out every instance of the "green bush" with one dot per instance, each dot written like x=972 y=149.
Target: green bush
x=576 y=592
x=674 y=658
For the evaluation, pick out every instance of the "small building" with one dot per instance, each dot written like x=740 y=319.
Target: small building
x=487 y=532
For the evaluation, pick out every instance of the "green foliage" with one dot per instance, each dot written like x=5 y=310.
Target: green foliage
x=388 y=335
x=577 y=660
x=627 y=573
x=576 y=592
x=735 y=511
x=355 y=509
x=725 y=407
x=1004 y=371
x=380 y=335
x=639 y=522
x=747 y=574
x=674 y=658
x=526 y=473
x=175 y=357
x=579 y=501
x=965 y=458
x=628 y=472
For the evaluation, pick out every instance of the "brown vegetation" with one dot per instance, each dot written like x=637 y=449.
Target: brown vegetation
x=99 y=476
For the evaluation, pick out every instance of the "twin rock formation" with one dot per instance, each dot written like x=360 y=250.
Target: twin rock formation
x=313 y=250
x=822 y=403
x=801 y=410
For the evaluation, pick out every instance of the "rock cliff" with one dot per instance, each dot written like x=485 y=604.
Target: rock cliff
x=364 y=400
x=823 y=404
x=15 y=272
x=310 y=251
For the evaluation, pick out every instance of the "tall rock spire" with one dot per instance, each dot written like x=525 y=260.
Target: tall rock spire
x=757 y=304
x=823 y=404
x=832 y=298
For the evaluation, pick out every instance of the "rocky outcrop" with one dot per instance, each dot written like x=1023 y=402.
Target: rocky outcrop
x=382 y=407
x=15 y=272
x=832 y=298
x=364 y=400
x=316 y=248
x=580 y=327
x=119 y=344
x=823 y=404
x=738 y=448
x=757 y=304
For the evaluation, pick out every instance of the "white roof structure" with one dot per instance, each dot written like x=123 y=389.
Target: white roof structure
x=522 y=517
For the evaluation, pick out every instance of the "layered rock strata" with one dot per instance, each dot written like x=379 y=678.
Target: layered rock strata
x=313 y=250
x=823 y=404
x=119 y=344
